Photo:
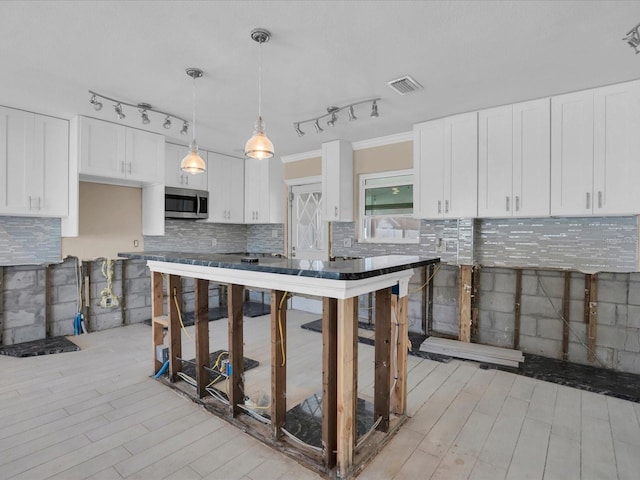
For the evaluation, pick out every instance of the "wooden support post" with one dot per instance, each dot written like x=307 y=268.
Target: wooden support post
x=475 y=300
x=48 y=324
x=201 y=292
x=236 y=343
x=347 y=385
x=382 y=365
x=424 y=298
x=430 y=301
x=123 y=293
x=566 y=312
x=587 y=297
x=593 y=316
x=86 y=269
x=464 y=303
x=157 y=311
x=1 y=306
x=516 y=310
x=398 y=402
x=278 y=361
x=175 y=335
x=329 y=380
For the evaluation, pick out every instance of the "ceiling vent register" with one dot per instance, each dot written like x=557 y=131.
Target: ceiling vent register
x=404 y=85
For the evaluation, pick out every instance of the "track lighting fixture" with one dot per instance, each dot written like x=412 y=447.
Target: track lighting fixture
x=633 y=38
x=96 y=104
x=119 y=114
x=143 y=108
x=193 y=162
x=332 y=114
x=259 y=146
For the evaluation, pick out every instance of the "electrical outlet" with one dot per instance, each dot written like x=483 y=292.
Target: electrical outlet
x=441 y=245
x=214 y=242
x=347 y=242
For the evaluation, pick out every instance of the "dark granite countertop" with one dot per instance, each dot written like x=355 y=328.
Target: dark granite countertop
x=353 y=269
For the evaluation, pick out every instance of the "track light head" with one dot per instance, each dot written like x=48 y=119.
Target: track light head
x=352 y=115
x=318 y=127
x=185 y=128
x=96 y=104
x=374 y=109
x=334 y=116
x=119 y=113
x=633 y=38
x=145 y=118
x=298 y=131
x=167 y=123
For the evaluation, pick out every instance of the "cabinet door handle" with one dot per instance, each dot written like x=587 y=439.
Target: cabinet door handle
x=588 y=200
x=599 y=198
x=122 y=167
x=129 y=167
x=517 y=203
x=446 y=206
x=186 y=179
x=39 y=203
x=507 y=203
x=30 y=202
x=335 y=212
x=439 y=206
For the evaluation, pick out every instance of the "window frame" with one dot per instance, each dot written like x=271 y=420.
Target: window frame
x=362 y=217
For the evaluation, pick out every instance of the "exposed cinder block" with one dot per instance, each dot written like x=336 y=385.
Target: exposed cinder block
x=505 y=281
x=487 y=279
x=137 y=315
x=495 y=338
x=103 y=321
x=446 y=277
x=611 y=314
x=528 y=325
x=632 y=340
x=29 y=333
x=64 y=293
x=541 y=306
x=550 y=328
x=576 y=310
x=576 y=291
x=503 y=322
x=541 y=346
x=578 y=331
x=634 y=291
x=610 y=336
x=629 y=362
x=445 y=295
x=497 y=302
x=612 y=291
x=633 y=316
x=62 y=312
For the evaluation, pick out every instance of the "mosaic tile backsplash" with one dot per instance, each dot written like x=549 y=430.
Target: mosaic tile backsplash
x=29 y=241
x=190 y=236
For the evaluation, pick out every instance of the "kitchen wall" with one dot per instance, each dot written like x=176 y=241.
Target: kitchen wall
x=110 y=222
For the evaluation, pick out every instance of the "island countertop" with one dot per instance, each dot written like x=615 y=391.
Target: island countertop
x=353 y=269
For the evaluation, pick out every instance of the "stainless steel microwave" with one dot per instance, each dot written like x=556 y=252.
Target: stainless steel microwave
x=186 y=203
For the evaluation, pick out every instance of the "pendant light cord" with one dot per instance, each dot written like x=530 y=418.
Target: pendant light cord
x=194 y=108
x=259 y=79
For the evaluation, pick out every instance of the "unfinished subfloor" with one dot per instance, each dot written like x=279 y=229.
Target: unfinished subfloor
x=97 y=414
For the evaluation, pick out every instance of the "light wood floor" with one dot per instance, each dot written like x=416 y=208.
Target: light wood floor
x=98 y=414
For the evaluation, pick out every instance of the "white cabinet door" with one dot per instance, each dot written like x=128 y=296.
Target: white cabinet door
x=263 y=197
x=495 y=162
x=461 y=166
x=428 y=168
x=616 y=179
x=144 y=157
x=16 y=155
x=531 y=158
x=572 y=153
x=102 y=148
x=51 y=166
x=226 y=189
x=337 y=181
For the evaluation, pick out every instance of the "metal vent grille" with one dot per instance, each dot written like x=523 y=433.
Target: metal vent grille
x=404 y=85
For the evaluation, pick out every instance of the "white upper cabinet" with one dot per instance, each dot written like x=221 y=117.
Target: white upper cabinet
x=226 y=189
x=514 y=160
x=337 y=181
x=445 y=161
x=263 y=191
x=174 y=176
x=113 y=153
x=34 y=163
x=594 y=151
x=616 y=160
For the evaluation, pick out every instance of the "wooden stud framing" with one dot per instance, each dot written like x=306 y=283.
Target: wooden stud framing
x=86 y=269
x=347 y=384
x=382 y=364
x=278 y=361
x=236 y=342
x=398 y=401
x=1 y=306
x=123 y=293
x=157 y=310
x=592 y=294
x=425 y=298
x=464 y=303
x=329 y=380
x=517 y=301
x=48 y=324
x=430 y=301
x=475 y=300
x=175 y=335
x=566 y=312
x=201 y=293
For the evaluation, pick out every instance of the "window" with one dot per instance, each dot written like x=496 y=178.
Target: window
x=386 y=208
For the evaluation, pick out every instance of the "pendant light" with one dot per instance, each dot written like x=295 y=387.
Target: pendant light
x=193 y=162
x=259 y=146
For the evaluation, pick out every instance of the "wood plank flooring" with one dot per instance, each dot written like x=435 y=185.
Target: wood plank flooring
x=98 y=414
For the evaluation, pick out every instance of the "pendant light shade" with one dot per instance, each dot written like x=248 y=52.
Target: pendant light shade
x=259 y=146
x=193 y=162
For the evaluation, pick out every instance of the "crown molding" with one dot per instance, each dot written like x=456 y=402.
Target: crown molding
x=387 y=140
x=301 y=156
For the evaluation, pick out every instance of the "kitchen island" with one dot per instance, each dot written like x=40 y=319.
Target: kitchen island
x=339 y=283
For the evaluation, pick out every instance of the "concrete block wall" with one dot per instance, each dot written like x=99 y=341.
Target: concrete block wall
x=23 y=304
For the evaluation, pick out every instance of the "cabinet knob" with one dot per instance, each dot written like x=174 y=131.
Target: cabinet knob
x=335 y=211
x=517 y=203
x=439 y=206
x=599 y=198
x=446 y=206
x=507 y=203
x=588 y=200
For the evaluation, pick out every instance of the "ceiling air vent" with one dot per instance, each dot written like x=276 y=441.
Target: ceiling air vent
x=404 y=85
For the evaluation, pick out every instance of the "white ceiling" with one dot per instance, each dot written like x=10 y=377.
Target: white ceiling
x=467 y=54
